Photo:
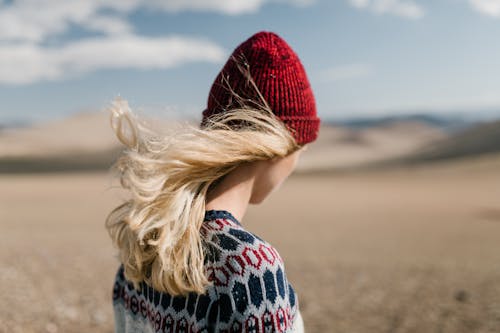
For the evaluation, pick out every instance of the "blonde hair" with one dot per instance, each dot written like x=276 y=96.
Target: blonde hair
x=158 y=232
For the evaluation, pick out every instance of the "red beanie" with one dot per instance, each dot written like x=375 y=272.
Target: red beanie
x=281 y=79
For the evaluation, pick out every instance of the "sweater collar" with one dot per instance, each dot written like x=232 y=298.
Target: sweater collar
x=218 y=214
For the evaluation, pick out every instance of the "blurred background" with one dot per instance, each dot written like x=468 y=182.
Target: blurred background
x=391 y=222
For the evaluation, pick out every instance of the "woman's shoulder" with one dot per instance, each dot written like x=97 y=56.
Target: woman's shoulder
x=249 y=276
x=237 y=249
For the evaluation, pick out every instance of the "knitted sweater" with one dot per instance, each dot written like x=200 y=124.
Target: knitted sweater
x=249 y=291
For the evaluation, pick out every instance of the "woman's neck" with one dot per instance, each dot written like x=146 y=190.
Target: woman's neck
x=233 y=193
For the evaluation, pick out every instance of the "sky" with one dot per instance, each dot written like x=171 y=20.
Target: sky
x=362 y=57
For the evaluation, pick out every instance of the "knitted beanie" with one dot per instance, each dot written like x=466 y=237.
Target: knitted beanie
x=280 y=77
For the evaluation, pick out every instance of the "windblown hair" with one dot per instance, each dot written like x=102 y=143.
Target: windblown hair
x=158 y=231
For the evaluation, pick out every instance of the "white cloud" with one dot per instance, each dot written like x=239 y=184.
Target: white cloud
x=23 y=63
x=26 y=24
x=345 y=72
x=35 y=20
x=487 y=7
x=403 y=8
x=360 y=3
x=231 y=7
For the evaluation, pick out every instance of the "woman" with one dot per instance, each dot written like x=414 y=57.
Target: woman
x=187 y=262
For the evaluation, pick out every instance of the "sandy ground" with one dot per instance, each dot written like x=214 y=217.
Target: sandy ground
x=413 y=250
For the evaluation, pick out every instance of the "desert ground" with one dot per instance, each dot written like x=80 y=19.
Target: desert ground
x=369 y=246
x=412 y=249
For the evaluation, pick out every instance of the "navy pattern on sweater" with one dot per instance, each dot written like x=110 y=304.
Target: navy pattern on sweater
x=250 y=291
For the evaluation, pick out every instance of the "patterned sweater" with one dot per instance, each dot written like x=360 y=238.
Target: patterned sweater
x=249 y=293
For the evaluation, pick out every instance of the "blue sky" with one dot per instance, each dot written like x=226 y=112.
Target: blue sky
x=363 y=57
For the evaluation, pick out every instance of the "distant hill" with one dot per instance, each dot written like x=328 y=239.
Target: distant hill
x=476 y=140
x=85 y=141
x=62 y=162
x=342 y=148
x=422 y=118
x=447 y=121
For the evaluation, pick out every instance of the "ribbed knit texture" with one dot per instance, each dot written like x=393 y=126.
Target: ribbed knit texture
x=279 y=76
x=250 y=291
